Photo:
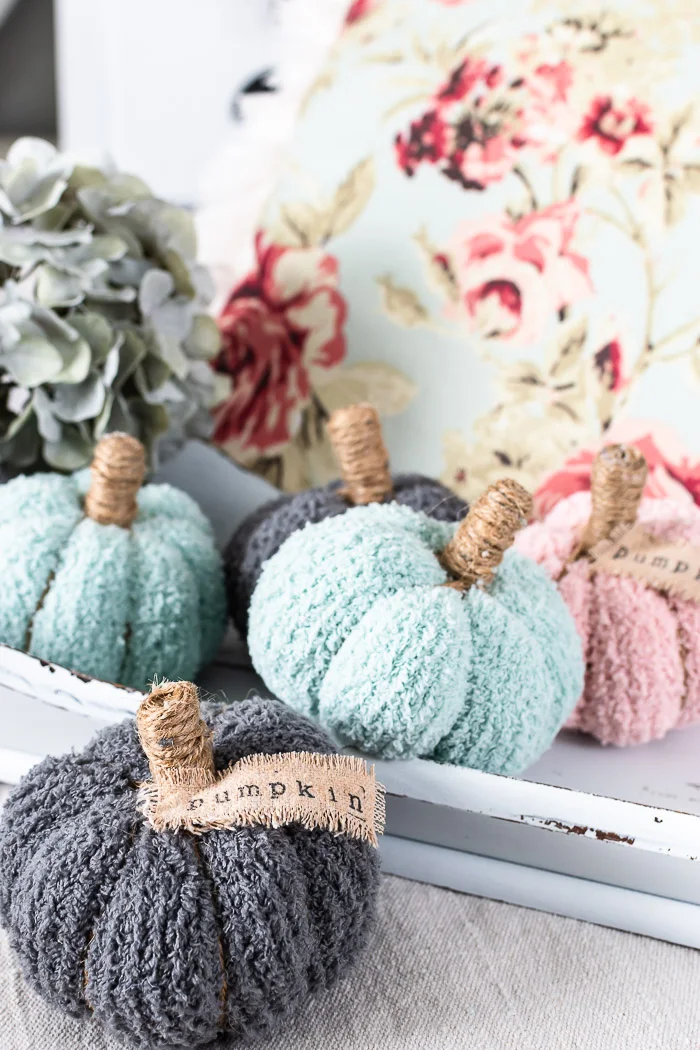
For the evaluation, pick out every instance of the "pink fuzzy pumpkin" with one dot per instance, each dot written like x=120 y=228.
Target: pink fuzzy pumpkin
x=642 y=646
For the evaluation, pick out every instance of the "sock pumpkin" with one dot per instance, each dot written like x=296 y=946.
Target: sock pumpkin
x=409 y=636
x=356 y=436
x=106 y=577
x=641 y=641
x=171 y=938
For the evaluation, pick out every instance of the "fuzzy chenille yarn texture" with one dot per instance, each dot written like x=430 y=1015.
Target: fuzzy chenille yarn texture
x=262 y=533
x=169 y=939
x=642 y=647
x=350 y=622
x=118 y=603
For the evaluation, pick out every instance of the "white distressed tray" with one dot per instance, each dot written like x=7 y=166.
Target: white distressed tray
x=596 y=833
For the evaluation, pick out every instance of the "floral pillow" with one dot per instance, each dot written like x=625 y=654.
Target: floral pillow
x=488 y=227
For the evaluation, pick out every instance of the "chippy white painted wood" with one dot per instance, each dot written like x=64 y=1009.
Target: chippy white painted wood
x=614 y=841
x=56 y=685
x=544 y=807
x=656 y=828
x=14 y=764
x=622 y=909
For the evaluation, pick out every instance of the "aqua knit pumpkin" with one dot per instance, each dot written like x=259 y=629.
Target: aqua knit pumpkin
x=123 y=602
x=407 y=636
x=355 y=434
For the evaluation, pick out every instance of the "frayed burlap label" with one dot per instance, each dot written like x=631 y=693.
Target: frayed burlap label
x=335 y=792
x=673 y=568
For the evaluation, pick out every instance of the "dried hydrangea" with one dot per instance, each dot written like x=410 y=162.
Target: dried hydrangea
x=102 y=314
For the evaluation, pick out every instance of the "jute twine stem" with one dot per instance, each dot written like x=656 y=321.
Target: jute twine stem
x=618 y=476
x=118 y=470
x=356 y=436
x=172 y=733
x=486 y=533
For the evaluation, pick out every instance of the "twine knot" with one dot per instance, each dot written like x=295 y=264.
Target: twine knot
x=618 y=477
x=118 y=469
x=486 y=533
x=172 y=733
x=356 y=435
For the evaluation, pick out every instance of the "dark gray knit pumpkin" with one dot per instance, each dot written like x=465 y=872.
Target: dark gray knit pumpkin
x=356 y=437
x=166 y=938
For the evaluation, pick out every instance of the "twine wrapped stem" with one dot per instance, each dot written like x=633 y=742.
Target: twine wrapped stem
x=118 y=470
x=173 y=735
x=486 y=533
x=356 y=436
x=618 y=476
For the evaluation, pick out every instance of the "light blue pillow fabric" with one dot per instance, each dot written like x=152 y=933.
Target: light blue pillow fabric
x=488 y=220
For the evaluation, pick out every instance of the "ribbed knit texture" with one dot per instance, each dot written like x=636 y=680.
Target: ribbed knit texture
x=167 y=938
x=642 y=648
x=349 y=623
x=119 y=604
x=264 y=531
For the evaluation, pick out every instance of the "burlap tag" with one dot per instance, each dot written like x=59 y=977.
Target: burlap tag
x=335 y=792
x=671 y=567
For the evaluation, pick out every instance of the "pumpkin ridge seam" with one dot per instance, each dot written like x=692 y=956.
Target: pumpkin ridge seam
x=126 y=638
x=29 y=633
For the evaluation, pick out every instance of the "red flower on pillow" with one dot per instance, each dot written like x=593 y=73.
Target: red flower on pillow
x=551 y=82
x=359 y=9
x=477 y=159
x=671 y=473
x=479 y=121
x=547 y=118
x=472 y=76
x=426 y=141
x=613 y=124
x=281 y=328
x=465 y=130
x=513 y=276
x=608 y=365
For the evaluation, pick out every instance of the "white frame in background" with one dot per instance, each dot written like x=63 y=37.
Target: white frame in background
x=148 y=84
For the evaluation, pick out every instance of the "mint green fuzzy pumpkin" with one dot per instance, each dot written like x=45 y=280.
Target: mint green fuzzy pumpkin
x=123 y=604
x=351 y=622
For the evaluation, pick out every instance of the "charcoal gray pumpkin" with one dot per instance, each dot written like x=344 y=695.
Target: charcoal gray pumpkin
x=167 y=938
x=356 y=437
